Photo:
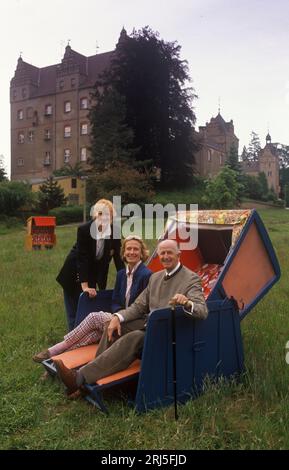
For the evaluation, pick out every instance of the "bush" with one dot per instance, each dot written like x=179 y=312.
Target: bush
x=69 y=214
x=13 y=196
x=222 y=191
x=120 y=180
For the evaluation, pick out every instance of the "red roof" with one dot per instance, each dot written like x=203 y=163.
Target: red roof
x=44 y=221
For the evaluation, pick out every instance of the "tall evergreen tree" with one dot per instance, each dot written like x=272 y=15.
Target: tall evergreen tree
x=233 y=159
x=112 y=139
x=244 y=154
x=50 y=195
x=254 y=147
x=149 y=73
x=234 y=164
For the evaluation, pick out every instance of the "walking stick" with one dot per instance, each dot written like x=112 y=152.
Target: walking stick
x=174 y=351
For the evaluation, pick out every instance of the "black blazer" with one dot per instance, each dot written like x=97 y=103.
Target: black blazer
x=81 y=264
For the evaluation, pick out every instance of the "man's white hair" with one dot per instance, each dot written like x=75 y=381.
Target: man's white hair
x=174 y=242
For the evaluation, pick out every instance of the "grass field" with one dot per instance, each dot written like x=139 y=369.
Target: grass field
x=35 y=414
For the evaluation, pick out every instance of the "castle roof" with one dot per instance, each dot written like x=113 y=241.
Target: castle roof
x=44 y=78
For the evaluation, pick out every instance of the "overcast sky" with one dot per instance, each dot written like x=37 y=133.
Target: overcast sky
x=237 y=51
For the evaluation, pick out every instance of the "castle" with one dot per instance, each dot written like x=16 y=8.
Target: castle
x=50 y=123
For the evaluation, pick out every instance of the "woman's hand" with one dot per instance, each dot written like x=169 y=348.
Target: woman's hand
x=91 y=292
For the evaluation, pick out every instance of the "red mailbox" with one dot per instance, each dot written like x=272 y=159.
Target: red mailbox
x=40 y=232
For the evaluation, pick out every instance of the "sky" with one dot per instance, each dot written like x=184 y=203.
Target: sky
x=237 y=51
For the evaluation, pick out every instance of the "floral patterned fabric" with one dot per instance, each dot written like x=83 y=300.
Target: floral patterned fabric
x=209 y=273
x=234 y=218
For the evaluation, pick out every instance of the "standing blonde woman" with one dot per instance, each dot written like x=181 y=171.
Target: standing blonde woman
x=130 y=282
x=86 y=266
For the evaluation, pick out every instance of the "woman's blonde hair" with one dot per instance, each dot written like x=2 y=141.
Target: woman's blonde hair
x=144 y=251
x=98 y=207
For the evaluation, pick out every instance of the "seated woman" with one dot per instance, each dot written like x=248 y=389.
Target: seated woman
x=130 y=282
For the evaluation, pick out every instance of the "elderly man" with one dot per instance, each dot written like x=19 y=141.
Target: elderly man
x=122 y=340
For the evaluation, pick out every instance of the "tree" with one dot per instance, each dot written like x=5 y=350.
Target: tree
x=149 y=74
x=120 y=179
x=263 y=184
x=283 y=153
x=14 y=195
x=244 y=154
x=222 y=191
x=112 y=138
x=68 y=170
x=51 y=195
x=253 y=187
x=254 y=147
x=233 y=159
x=233 y=163
x=3 y=174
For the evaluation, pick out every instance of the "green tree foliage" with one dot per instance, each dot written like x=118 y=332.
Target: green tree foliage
x=286 y=194
x=222 y=191
x=50 y=195
x=256 y=187
x=68 y=170
x=112 y=139
x=244 y=154
x=3 y=174
x=234 y=164
x=151 y=77
x=264 y=184
x=283 y=153
x=233 y=159
x=284 y=179
x=254 y=147
x=253 y=188
x=14 y=195
x=122 y=180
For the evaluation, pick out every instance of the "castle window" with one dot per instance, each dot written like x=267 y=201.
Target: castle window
x=67 y=131
x=29 y=113
x=47 y=159
x=48 y=110
x=83 y=154
x=31 y=136
x=47 y=134
x=21 y=138
x=67 y=155
x=20 y=162
x=61 y=84
x=83 y=103
x=209 y=155
x=73 y=183
x=73 y=82
x=20 y=114
x=67 y=106
x=84 y=128
x=14 y=94
x=23 y=92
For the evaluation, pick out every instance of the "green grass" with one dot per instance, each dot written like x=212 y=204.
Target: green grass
x=35 y=414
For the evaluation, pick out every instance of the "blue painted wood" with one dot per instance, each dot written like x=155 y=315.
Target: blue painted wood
x=210 y=348
x=218 y=291
x=102 y=301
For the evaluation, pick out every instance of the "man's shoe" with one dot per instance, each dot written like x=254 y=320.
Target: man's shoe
x=41 y=356
x=67 y=376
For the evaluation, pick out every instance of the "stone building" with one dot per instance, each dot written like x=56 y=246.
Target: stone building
x=268 y=163
x=49 y=113
x=215 y=140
